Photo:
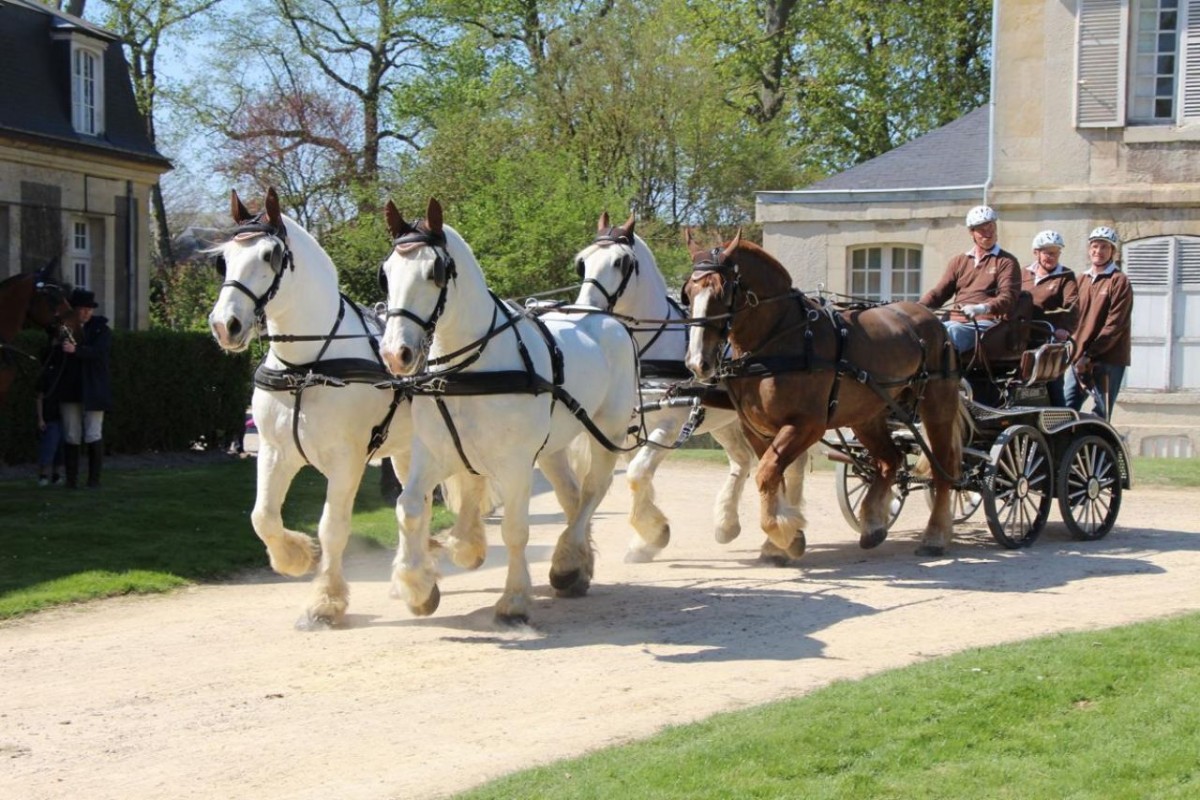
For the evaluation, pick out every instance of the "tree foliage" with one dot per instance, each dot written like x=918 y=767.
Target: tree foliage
x=527 y=118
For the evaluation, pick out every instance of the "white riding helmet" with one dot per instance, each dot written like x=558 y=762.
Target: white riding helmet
x=1105 y=234
x=981 y=215
x=1048 y=239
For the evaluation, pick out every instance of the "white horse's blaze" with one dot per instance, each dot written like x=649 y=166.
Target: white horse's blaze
x=696 y=356
x=247 y=261
x=409 y=270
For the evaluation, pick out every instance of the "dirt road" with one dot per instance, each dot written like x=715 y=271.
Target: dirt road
x=210 y=692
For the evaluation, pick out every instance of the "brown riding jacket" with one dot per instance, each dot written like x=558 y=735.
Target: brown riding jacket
x=995 y=280
x=1105 y=328
x=1055 y=296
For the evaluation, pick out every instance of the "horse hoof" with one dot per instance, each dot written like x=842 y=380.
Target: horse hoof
x=640 y=555
x=931 y=550
x=872 y=538
x=511 y=620
x=774 y=558
x=309 y=622
x=798 y=546
x=570 y=584
x=430 y=605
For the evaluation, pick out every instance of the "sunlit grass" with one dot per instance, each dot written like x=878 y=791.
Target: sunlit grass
x=1084 y=716
x=152 y=530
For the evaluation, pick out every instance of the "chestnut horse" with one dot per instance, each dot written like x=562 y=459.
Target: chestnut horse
x=798 y=369
x=31 y=299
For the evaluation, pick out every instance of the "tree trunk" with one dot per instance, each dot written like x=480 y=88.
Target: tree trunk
x=164 y=256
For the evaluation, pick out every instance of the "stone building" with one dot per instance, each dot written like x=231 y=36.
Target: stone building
x=76 y=162
x=1094 y=119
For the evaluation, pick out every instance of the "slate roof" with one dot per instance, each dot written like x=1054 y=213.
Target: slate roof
x=954 y=155
x=35 y=85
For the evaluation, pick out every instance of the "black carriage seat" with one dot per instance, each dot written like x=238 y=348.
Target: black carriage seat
x=999 y=347
x=1021 y=346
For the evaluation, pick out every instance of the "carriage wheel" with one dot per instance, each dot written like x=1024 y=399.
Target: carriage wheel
x=1018 y=486
x=1089 y=488
x=852 y=488
x=963 y=502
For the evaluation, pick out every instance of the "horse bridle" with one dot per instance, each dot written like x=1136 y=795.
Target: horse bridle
x=281 y=262
x=628 y=264
x=444 y=271
x=732 y=284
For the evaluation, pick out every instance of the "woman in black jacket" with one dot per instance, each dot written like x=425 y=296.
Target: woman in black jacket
x=85 y=391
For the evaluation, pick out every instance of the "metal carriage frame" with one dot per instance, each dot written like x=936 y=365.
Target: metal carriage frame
x=1019 y=458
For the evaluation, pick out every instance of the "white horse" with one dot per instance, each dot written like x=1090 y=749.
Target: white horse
x=498 y=397
x=276 y=272
x=620 y=274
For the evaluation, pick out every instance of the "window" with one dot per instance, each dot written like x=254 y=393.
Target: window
x=1165 y=274
x=1155 y=46
x=81 y=254
x=885 y=273
x=87 y=91
x=1137 y=63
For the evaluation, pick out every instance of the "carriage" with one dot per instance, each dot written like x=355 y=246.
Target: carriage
x=1020 y=456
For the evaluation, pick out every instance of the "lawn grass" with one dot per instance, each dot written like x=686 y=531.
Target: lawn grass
x=1101 y=715
x=152 y=530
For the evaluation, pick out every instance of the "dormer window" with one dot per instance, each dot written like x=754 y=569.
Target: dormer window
x=87 y=95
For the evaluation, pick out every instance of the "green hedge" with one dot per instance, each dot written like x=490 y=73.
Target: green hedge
x=171 y=390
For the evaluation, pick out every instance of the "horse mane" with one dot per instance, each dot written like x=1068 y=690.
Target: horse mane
x=14 y=278
x=749 y=252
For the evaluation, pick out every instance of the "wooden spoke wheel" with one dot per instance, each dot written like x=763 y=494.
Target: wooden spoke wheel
x=852 y=488
x=1089 y=488
x=1019 y=486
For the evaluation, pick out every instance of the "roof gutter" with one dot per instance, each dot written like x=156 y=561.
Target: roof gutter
x=896 y=194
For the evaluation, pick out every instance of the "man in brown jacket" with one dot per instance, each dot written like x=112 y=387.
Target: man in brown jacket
x=1103 y=337
x=984 y=281
x=1055 y=296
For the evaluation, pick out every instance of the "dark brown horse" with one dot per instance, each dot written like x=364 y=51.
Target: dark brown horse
x=30 y=299
x=798 y=369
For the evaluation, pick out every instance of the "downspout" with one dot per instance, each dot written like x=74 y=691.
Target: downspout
x=991 y=150
x=131 y=256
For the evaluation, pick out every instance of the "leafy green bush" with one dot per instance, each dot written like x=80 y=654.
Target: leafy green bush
x=171 y=389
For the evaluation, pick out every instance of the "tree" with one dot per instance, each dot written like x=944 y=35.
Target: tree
x=851 y=79
x=142 y=26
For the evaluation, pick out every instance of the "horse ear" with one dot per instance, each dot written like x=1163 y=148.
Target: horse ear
x=693 y=246
x=732 y=246
x=602 y=224
x=273 y=213
x=433 y=216
x=395 y=221
x=236 y=209
x=628 y=226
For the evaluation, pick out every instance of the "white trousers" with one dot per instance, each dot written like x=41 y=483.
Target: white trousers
x=81 y=426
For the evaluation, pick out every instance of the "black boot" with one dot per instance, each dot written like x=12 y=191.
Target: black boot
x=71 y=463
x=95 y=461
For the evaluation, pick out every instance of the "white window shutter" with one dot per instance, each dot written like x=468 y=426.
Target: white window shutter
x=1189 y=54
x=1100 y=54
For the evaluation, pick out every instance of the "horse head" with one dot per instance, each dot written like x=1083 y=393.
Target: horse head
x=607 y=265
x=416 y=277
x=709 y=293
x=252 y=263
x=49 y=307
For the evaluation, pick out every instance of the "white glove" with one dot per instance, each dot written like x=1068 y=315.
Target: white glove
x=975 y=310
